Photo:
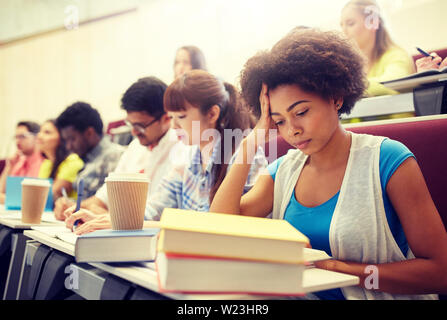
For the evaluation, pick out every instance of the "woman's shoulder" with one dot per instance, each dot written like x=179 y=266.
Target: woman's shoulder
x=73 y=158
x=72 y=161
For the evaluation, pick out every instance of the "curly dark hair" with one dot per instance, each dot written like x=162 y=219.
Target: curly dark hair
x=81 y=116
x=322 y=63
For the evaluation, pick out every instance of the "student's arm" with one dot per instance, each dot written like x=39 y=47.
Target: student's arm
x=64 y=208
x=259 y=200
x=95 y=205
x=426 y=237
x=166 y=196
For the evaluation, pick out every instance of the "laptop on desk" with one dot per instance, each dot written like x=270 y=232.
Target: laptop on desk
x=13 y=198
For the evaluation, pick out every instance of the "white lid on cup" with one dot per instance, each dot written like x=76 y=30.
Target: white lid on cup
x=36 y=182
x=124 y=176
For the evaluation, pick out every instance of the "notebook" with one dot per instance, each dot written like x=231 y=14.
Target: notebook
x=13 y=199
x=408 y=83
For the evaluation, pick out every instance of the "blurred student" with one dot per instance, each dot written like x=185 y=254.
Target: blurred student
x=59 y=164
x=362 y=22
x=150 y=152
x=429 y=63
x=360 y=198
x=81 y=128
x=27 y=160
x=188 y=58
x=206 y=112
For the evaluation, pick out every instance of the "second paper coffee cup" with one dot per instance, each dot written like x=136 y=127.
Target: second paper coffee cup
x=127 y=193
x=34 y=198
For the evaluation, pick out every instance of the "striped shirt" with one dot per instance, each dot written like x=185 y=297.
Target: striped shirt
x=188 y=186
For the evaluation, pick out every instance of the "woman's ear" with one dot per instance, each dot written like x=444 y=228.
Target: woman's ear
x=213 y=114
x=338 y=103
x=165 y=119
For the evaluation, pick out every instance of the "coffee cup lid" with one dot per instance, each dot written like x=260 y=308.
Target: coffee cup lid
x=124 y=176
x=36 y=182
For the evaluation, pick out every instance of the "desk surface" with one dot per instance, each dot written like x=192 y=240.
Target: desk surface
x=382 y=105
x=13 y=220
x=144 y=274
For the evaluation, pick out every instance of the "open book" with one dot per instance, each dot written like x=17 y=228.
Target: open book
x=412 y=81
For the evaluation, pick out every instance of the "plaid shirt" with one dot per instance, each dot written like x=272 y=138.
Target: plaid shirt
x=188 y=186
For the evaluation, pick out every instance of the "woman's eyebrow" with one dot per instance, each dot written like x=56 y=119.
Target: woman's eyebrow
x=293 y=105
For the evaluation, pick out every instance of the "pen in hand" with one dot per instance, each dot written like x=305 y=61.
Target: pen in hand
x=426 y=54
x=64 y=193
x=78 y=201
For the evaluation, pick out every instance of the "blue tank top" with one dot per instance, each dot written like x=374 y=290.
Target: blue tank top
x=315 y=222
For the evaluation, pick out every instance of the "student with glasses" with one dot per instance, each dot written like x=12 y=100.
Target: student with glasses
x=149 y=152
x=27 y=160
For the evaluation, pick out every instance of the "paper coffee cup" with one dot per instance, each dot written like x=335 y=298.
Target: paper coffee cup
x=127 y=193
x=34 y=198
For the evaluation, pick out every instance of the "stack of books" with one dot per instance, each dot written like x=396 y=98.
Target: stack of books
x=222 y=253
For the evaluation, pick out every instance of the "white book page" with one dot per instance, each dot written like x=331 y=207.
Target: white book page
x=69 y=237
x=311 y=255
x=59 y=232
x=52 y=231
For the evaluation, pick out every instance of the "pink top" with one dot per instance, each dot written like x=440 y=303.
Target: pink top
x=27 y=166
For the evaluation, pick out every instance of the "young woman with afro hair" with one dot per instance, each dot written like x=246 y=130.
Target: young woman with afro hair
x=361 y=198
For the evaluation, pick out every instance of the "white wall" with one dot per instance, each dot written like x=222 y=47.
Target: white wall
x=97 y=62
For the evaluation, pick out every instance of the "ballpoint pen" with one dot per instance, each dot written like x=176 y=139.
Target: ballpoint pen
x=79 y=199
x=64 y=193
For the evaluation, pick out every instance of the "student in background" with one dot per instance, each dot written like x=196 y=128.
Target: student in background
x=360 y=198
x=27 y=160
x=150 y=152
x=362 y=22
x=59 y=164
x=429 y=63
x=81 y=128
x=205 y=112
x=188 y=58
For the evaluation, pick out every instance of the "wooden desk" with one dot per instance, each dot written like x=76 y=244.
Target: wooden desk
x=145 y=276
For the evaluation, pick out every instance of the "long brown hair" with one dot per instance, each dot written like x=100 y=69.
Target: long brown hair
x=61 y=152
x=203 y=90
x=383 y=38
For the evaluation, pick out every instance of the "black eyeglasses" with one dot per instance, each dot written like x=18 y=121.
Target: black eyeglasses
x=139 y=127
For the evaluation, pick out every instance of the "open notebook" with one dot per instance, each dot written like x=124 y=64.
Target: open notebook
x=408 y=83
x=59 y=232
